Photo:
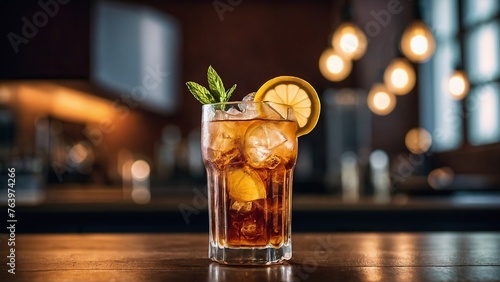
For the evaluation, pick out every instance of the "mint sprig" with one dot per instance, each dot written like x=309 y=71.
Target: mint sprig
x=200 y=93
x=216 y=91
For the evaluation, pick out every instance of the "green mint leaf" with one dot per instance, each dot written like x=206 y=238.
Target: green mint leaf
x=217 y=92
x=229 y=92
x=200 y=93
x=215 y=85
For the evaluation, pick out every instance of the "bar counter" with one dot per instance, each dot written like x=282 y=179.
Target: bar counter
x=93 y=209
x=436 y=256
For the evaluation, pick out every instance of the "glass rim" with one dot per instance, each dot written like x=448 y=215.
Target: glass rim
x=229 y=103
x=286 y=112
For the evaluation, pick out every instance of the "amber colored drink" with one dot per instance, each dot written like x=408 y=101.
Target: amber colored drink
x=249 y=156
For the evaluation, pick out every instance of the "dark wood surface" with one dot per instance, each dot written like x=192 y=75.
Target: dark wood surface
x=91 y=209
x=316 y=257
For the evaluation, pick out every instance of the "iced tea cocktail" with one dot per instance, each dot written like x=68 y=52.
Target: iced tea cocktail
x=249 y=150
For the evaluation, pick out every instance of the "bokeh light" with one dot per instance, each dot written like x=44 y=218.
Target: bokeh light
x=399 y=76
x=141 y=195
x=140 y=170
x=78 y=153
x=418 y=43
x=349 y=40
x=440 y=177
x=334 y=66
x=380 y=100
x=418 y=140
x=458 y=85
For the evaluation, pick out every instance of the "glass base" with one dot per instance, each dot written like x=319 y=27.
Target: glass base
x=250 y=256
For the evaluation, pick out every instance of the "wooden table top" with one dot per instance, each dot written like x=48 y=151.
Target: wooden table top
x=316 y=257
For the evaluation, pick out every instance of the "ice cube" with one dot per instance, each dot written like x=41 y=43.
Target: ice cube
x=247 y=104
x=234 y=114
x=241 y=207
x=261 y=140
x=219 y=115
x=268 y=110
x=252 y=229
x=223 y=143
x=230 y=114
x=249 y=97
x=223 y=136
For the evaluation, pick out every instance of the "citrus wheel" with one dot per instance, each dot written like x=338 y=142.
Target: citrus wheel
x=296 y=93
x=245 y=185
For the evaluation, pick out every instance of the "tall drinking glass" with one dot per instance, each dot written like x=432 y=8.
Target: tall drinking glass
x=249 y=151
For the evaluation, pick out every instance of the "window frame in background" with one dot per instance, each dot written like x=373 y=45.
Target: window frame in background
x=475 y=120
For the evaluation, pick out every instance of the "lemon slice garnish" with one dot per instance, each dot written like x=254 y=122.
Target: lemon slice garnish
x=296 y=93
x=245 y=185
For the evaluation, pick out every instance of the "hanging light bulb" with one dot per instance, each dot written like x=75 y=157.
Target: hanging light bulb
x=349 y=40
x=458 y=85
x=417 y=43
x=380 y=100
x=399 y=76
x=334 y=66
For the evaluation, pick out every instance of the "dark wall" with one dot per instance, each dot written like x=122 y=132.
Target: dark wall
x=39 y=44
